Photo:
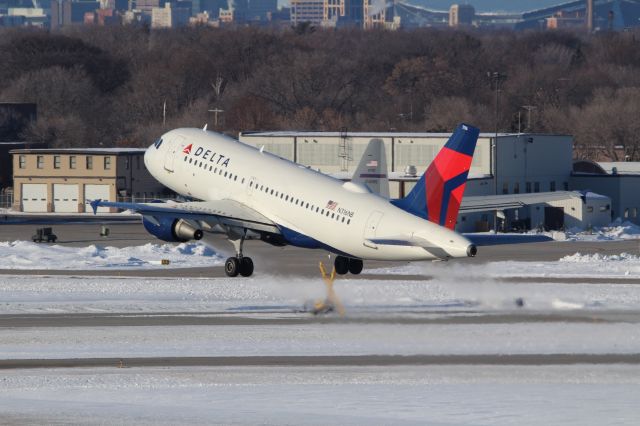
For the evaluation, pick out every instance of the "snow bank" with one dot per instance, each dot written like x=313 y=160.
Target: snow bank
x=28 y=255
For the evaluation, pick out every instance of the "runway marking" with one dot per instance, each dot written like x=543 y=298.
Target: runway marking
x=315 y=361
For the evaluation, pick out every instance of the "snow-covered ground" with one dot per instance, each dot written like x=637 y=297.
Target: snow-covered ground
x=623 y=265
x=403 y=395
x=319 y=339
x=457 y=311
x=29 y=255
x=618 y=230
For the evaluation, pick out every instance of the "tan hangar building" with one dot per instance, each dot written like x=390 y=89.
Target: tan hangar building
x=65 y=180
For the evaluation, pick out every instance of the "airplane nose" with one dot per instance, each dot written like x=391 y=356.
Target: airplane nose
x=472 y=250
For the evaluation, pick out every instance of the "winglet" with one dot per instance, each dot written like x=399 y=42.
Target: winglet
x=204 y=129
x=94 y=205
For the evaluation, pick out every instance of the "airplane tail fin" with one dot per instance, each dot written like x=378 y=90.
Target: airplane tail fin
x=372 y=170
x=438 y=194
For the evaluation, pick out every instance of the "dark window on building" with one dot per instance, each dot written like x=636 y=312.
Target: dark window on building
x=552 y=186
x=89 y=162
x=22 y=162
x=505 y=188
x=516 y=188
x=536 y=187
x=528 y=187
x=107 y=163
x=72 y=162
x=40 y=162
x=56 y=161
x=565 y=185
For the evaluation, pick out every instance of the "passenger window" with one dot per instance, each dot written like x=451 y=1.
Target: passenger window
x=342 y=219
x=333 y=215
x=348 y=221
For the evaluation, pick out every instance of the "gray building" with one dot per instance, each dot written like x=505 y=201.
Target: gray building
x=620 y=181
x=531 y=177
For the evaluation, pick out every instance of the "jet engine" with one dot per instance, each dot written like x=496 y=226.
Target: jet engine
x=172 y=230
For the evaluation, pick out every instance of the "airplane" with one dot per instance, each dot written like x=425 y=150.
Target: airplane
x=251 y=193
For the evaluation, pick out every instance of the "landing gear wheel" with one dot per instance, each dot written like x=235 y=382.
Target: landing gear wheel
x=341 y=264
x=355 y=266
x=246 y=267
x=232 y=267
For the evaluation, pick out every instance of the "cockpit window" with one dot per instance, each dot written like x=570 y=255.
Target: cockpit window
x=158 y=143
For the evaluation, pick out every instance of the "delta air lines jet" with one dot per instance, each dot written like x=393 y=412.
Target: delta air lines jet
x=249 y=192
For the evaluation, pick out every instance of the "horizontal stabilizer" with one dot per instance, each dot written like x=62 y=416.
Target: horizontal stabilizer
x=412 y=241
x=499 y=239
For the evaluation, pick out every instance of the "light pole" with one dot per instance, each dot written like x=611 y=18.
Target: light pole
x=496 y=79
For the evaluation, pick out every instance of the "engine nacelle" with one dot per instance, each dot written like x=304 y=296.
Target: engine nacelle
x=172 y=230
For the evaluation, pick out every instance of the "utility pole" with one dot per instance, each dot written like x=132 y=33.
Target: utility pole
x=164 y=114
x=496 y=78
x=215 y=112
x=529 y=108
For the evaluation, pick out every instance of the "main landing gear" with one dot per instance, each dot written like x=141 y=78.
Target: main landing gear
x=344 y=264
x=238 y=265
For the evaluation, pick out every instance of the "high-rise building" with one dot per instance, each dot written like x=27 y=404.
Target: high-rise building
x=461 y=14
x=66 y=12
x=311 y=11
x=259 y=10
x=213 y=7
x=169 y=16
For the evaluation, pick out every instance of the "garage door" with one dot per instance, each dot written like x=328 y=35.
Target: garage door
x=97 y=192
x=34 y=197
x=65 y=198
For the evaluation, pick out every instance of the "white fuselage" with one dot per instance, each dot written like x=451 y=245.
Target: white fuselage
x=343 y=217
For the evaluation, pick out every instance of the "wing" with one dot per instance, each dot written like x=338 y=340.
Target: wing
x=221 y=212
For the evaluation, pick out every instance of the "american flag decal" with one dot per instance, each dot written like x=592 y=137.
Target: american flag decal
x=372 y=163
x=331 y=205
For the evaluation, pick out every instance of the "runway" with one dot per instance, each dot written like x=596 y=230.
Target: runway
x=514 y=333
